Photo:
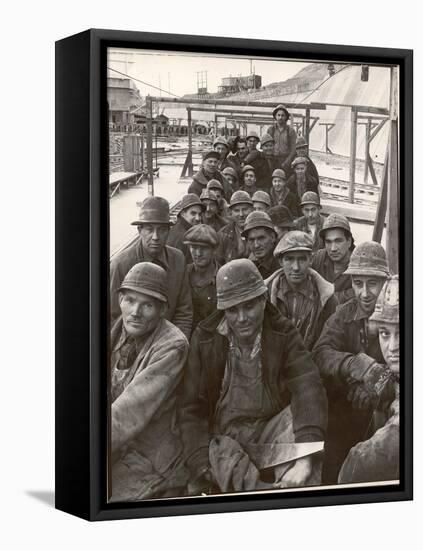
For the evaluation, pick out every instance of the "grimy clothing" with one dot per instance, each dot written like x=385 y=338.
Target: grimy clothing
x=176 y=237
x=202 y=178
x=232 y=245
x=204 y=300
x=285 y=144
x=285 y=198
x=302 y=225
x=343 y=284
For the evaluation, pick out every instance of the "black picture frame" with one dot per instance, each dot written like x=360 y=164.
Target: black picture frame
x=82 y=260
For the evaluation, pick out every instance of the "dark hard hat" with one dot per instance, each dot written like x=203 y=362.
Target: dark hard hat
x=257 y=219
x=240 y=197
x=294 y=241
x=253 y=135
x=261 y=196
x=201 y=234
x=229 y=171
x=279 y=173
x=310 y=197
x=221 y=140
x=368 y=258
x=301 y=142
x=153 y=210
x=266 y=138
x=299 y=160
x=281 y=216
x=246 y=168
x=278 y=108
x=208 y=194
x=335 y=221
x=191 y=199
x=387 y=304
x=211 y=154
x=215 y=184
x=147 y=278
x=238 y=281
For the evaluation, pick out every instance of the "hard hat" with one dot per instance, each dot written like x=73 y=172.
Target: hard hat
x=240 y=197
x=279 y=173
x=301 y=142
x=387 y=304
x=299 y=160
x=211 y=154
x=229 y=171
x=147 y=278
x=294 y=241
x=279 y=108
x=191 y=199
x=257 y=219
x=238 y=281
x=335 y=221
x=253 y=135
x=266 y=138
x=261 y=196
x=246 y=168
x=310 y=197
x=208 y=194
x=221 y=140
x=368 y=258
x=215 y=184
x=281 y=216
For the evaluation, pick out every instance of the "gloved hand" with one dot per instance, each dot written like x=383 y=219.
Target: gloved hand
x=377 y=386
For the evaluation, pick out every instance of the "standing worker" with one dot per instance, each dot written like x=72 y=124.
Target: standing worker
x=285 y=138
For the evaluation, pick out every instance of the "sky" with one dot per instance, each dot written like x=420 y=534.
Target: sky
x=178 y=71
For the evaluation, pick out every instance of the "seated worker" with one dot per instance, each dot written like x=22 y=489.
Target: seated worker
x=261 y=201
x=153 y=227
x=202 y=241
x=221 y=146
x=211 y=213
x=301 y=150
x=285 y=138
x=252 y=397
x=261 y=239
x=209 y=171
x=248 y=180
x=237 y=161
x=332 y=261
x=189 y=215
x=147 y=360
x=300 y=181
x=232 y=244
x=282 y=220
x=299 y=292
x=222 y=205
x=280 y=194
x=349 y=358
x=311 y=221
x=232 y=177
x=377 y=458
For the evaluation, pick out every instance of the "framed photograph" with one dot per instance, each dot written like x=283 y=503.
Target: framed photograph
x=233 y=274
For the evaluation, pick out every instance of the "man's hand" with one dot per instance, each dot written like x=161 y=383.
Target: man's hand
x=297 y=475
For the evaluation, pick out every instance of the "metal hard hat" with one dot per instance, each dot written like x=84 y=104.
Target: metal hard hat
x=191 y=199
x=211 y=154
x=299 y=160
x=147 y=278
x=238 y=281
x=279 y=173
x=201 y=234
x=153 y=210
x=253 y=135
x=335 y=221
x=246 y=168
x=215 y=184
x=261 y=196
x=278 y=108
x=257 y=219
x=310 y=197
x=301 y=142
x=229 y=171
x=368 y=258
x=266 y=138
x=240 y=197
x=281 y=216
x=387 y=304
x=208 y=194
x=294 y=241
x=221 y=140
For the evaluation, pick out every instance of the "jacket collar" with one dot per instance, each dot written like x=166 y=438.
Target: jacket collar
x=162 y=260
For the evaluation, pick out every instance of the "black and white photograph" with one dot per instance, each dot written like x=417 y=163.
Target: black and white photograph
x=254 y=300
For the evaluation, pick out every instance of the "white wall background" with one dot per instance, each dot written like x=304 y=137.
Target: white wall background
x=29 y=30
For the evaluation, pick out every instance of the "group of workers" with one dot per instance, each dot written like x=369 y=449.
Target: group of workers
x=253 y=345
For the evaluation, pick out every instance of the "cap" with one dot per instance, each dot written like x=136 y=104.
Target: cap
x=229 y=171
x=294 y=241
x=246 y=168
x=387 y=304
x=147 y=278
x=299 y=160
x=335 y=221
x=191 y=199
x=257 y=219
x=369 y=259
x=153 y=210
x=240 y=197
x=221 y=140
x=211 y=154
x=266 y=138
x=301 y=142
x=279 y=173
x=281 y=216
x=208 y=194
x=261 y=196
x=278 y=108
x=201 y=234
x=310 y=197
x=238 y=281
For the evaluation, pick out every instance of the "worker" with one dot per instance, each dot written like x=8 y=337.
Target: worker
x=281 y=195
x=261 y=239
x=189 y=214
x=223 y=206
x=301 y=149
x=232 y=177
x=232 y=244
x=211 y=210
x=208 y=171
x=282 y=220
x=301 y=181
x=311 y=221
x=285 y=138
x=237 y=161
x=261 y=201
x=220 y=145
x=248 y=180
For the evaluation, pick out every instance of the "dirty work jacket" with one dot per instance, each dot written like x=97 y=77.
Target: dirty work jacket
x=201 y=179
x=311 y=169
x=286 y=198
x=237 y=164
x=179 y=310
x=310 y=184
x=263 y=167
x=289 y=375
x=301 y=225
x=285 y=145
x=343 y=283
x=143 y=412
x=231 y=245
x=325 y=306
x=176 y=237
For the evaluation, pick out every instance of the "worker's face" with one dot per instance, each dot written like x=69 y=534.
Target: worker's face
x=217 y=193
x=296 y=266
x=242 y=149
x=210 y=165
x=239 y=214
x=261 y=242
x=301 y=151
x=366 y=289
x=268 y=148
x=311 y=212
x=221 y=149
x=252 y=143
x=246 y=319
x=260 y=206
x=192 y=214
x=249 y=178
x=231 y=180
x=201 y=254
x=140 y=312
x=281 y=117
x=153 y=237
x=278 y=184
x=211 y=208
x=337 y=245
x=300 y=170
x=389 y=338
